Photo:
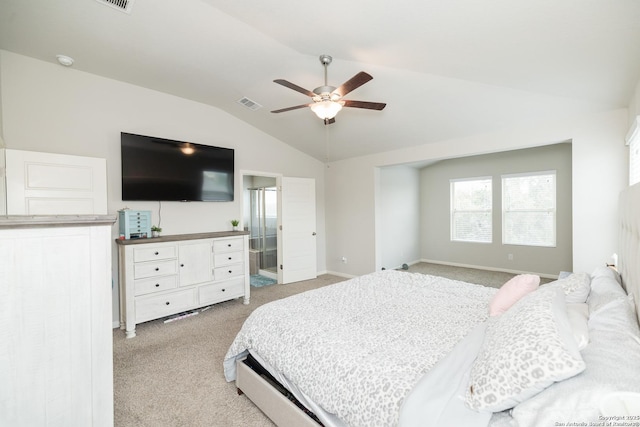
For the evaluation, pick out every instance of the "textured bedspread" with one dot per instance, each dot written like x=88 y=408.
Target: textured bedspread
x=358 y=347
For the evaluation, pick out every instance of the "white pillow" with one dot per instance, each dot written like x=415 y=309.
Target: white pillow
x=578 y=314
x=605 y=288
x=525 y=350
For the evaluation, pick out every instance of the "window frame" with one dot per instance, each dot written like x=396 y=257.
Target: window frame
x=453 y=211
x=553 y=210
x=633 y=142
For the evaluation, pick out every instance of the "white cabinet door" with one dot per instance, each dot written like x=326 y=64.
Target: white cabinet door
x=56 y=366
x=55 y=184
x=298 y=234
x=195 y=263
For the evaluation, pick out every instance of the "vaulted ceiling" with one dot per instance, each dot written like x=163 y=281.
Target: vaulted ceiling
x=446 y=69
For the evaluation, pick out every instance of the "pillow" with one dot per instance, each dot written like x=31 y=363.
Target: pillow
x=605 y=288
x=576 y=287
x=512 y=291
x=613 y=364
x=525 y=350
x=603 y=271
x=617 y=315
x=578 y=314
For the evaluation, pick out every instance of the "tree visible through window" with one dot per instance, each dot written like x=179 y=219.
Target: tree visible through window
x=529 y=209
x=471 y=210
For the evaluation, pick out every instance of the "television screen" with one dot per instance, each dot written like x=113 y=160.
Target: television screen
x=164 y=170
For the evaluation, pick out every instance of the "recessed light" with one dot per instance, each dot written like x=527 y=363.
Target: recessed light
x=65 y=60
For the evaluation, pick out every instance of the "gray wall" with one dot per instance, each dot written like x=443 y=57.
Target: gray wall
x=398 y=216
x=435 y=211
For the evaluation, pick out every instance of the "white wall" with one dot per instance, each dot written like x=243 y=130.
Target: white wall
x=599 y=174
x=49 y=108
x=398 y=219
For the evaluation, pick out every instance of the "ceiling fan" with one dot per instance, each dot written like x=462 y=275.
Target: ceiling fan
x=327 y=100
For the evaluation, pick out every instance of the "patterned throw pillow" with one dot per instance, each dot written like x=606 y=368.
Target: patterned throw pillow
x=576 y=287
x=525 y=350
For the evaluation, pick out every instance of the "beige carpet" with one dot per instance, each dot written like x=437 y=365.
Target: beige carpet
x=171 y=374
x=494 y=279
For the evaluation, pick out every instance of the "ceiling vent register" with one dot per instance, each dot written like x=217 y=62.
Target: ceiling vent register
x=252 y=105
x=121 y=5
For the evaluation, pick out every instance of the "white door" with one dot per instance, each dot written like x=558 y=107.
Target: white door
x=297 y=230
x=55 y=184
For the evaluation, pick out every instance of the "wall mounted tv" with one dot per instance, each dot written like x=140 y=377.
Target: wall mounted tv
x=165 y=170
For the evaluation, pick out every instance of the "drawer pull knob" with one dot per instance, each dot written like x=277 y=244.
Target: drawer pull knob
x=230 y=271
x=157 y=285
x=229 y=244
x=223 y=289
x=157 y=269
x=156 y=253
x=181 y=265
x=167 y=303
x=230 y=258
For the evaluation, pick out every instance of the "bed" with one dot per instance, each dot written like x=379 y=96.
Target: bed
x=398 y=348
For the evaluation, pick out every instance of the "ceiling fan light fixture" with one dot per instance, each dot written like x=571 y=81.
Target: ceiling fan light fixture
x=326 y=109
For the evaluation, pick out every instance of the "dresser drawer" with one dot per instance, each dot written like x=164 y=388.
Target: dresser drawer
x=223 y=273
x=154 y=253
x=217 y=292
x=220 y=260
x=147 y=286
x=228 y=245
x=155 y=306
x=154 y=269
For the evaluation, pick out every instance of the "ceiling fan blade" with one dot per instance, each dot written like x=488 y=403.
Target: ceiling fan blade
x=364 y=104
x=294 y=87
x=353 y=83
x=329 y=121
x=282 y=110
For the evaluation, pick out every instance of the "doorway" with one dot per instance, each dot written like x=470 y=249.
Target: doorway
x=260 y=219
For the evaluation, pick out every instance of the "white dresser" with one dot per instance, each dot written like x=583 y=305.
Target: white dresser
x=56 y=351
x=166 y=275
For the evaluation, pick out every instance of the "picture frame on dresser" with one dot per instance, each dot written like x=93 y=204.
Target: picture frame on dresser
x=167 y=275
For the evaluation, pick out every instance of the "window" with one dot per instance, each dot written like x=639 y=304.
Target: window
x=634 y=156
x=471 y=210
x=529 y=209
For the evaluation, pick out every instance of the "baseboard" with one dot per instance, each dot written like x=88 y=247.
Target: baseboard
x=482 y=267
x=399 y=267
x=346 y=276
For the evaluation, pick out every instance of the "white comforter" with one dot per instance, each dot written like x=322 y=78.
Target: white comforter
x=357 y=348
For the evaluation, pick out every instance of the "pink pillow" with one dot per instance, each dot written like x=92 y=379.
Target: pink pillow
x=512 y=291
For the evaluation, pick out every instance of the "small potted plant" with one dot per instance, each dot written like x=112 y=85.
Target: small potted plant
x=234 y=223
x=155 y=231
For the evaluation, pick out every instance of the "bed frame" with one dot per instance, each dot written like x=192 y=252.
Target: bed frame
x=286 y=414
x=265 y=396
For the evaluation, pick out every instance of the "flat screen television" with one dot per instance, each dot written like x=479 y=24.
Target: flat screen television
x=157 y=169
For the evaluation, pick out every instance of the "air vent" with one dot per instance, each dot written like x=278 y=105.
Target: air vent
x=253 y=106
x=121 y=5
